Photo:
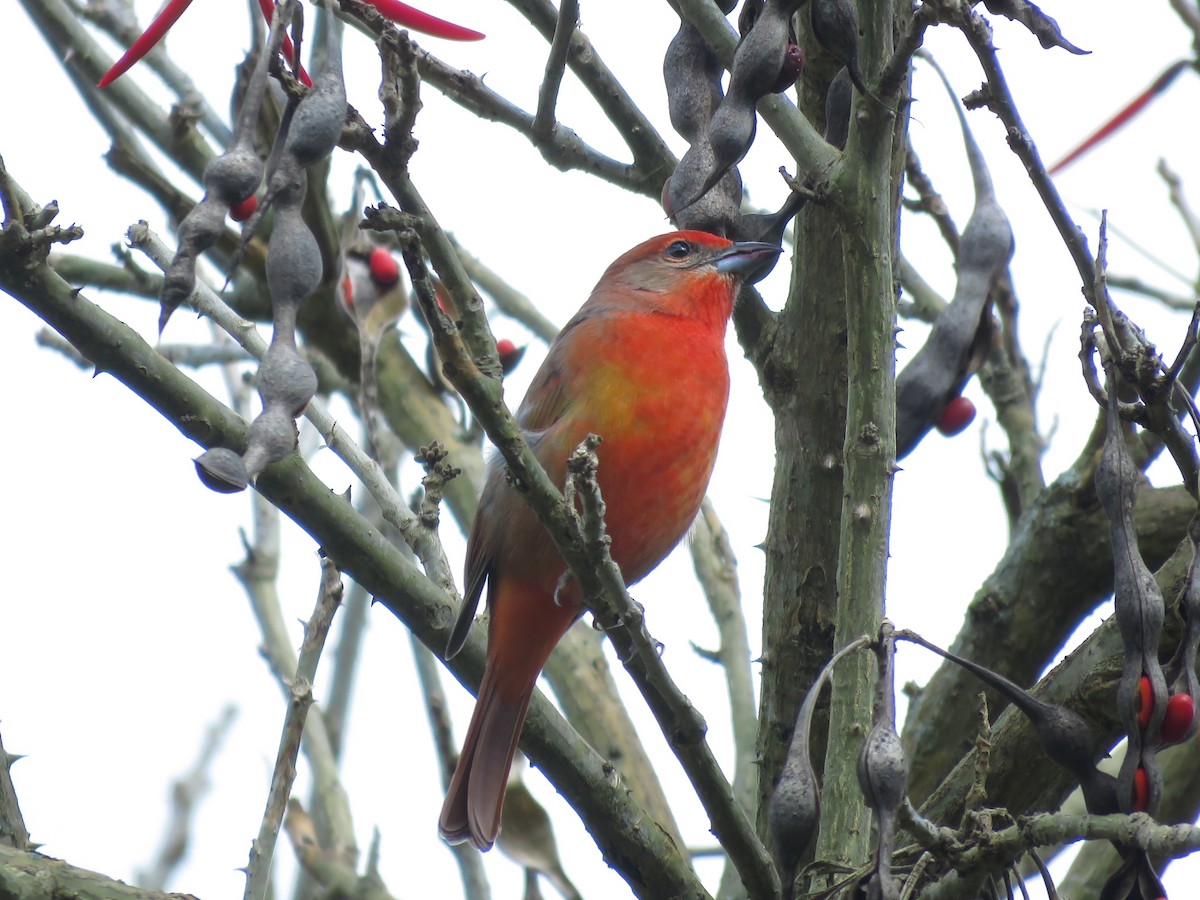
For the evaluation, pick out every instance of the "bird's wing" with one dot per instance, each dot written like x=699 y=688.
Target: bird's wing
x=479 y=565
x=550 y=393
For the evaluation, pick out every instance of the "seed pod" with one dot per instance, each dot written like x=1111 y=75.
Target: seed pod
x=317 y=123
x=962 y=333
x=222 y=470
x=1138 y=605
x=692 y=74
x=835 y=26
x=883 y=769
x=1062 y=732
x=757 y=66
x=839 y=99
x=1136 y=878
x=229 y=180
x=796 y=803
x=1042 y=26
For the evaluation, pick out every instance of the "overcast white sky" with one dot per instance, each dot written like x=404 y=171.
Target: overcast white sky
x=123 y=632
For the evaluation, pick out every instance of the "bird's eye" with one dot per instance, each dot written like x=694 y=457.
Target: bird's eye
x=679 y=250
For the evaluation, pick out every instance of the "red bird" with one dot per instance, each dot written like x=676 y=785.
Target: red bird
x=642 y=364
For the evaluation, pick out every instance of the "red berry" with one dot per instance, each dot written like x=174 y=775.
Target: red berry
x=384 y=270
x=348 y=292
x=243 y=209
x=1141 y=790
x=510 y=354
x=1145 y=702
x=957 y=415
x=793 y=65
x=1178 y=717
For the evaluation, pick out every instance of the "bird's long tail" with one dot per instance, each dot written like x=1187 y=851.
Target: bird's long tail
x=476 y=794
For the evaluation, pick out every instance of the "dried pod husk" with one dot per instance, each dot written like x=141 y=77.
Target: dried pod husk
x=768 y=228
x=222 y=470
x=839 y=99
x=962 y=333
x=317 y=123
x=835 y=26
x=198 y=231
x=233 y=177
x=795 y=808
x=713 y=210
x=692 y=74
x=228 y=180
x=1136 y=879
x=1061 y=731
x=293 y=256
x=285 y=379
x=272 y=436
x=1042 y=26
x=882 y=768
x=757 y=67
x=1138 y=605
x=794 y=812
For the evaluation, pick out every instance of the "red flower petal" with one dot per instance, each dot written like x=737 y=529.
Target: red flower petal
x=403 y=14
x=1124 y=115
x=145 y=43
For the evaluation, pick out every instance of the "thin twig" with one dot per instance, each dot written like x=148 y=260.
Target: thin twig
x=568 y=20
x=185 y=795
x=258 y=871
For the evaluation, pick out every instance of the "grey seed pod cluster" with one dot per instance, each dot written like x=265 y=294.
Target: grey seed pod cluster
x=286 y=382
x=758 y=68
x=230 y=179
x=1138 y=604
x=692 y=74
x=962 y=333
x=705 y=190
x=835 y=26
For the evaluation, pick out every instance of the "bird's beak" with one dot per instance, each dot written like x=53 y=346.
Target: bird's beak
x=749 y=260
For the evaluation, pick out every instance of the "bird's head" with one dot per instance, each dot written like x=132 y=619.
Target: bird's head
x=691 y=273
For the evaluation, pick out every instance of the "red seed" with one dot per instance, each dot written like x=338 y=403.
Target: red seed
x=793 y=65
x=1141 y=790
x=384 y=270
x=957 y=415
x=1145 y=702
x=510 y=354
x=1178 y=717
x=243 y=209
